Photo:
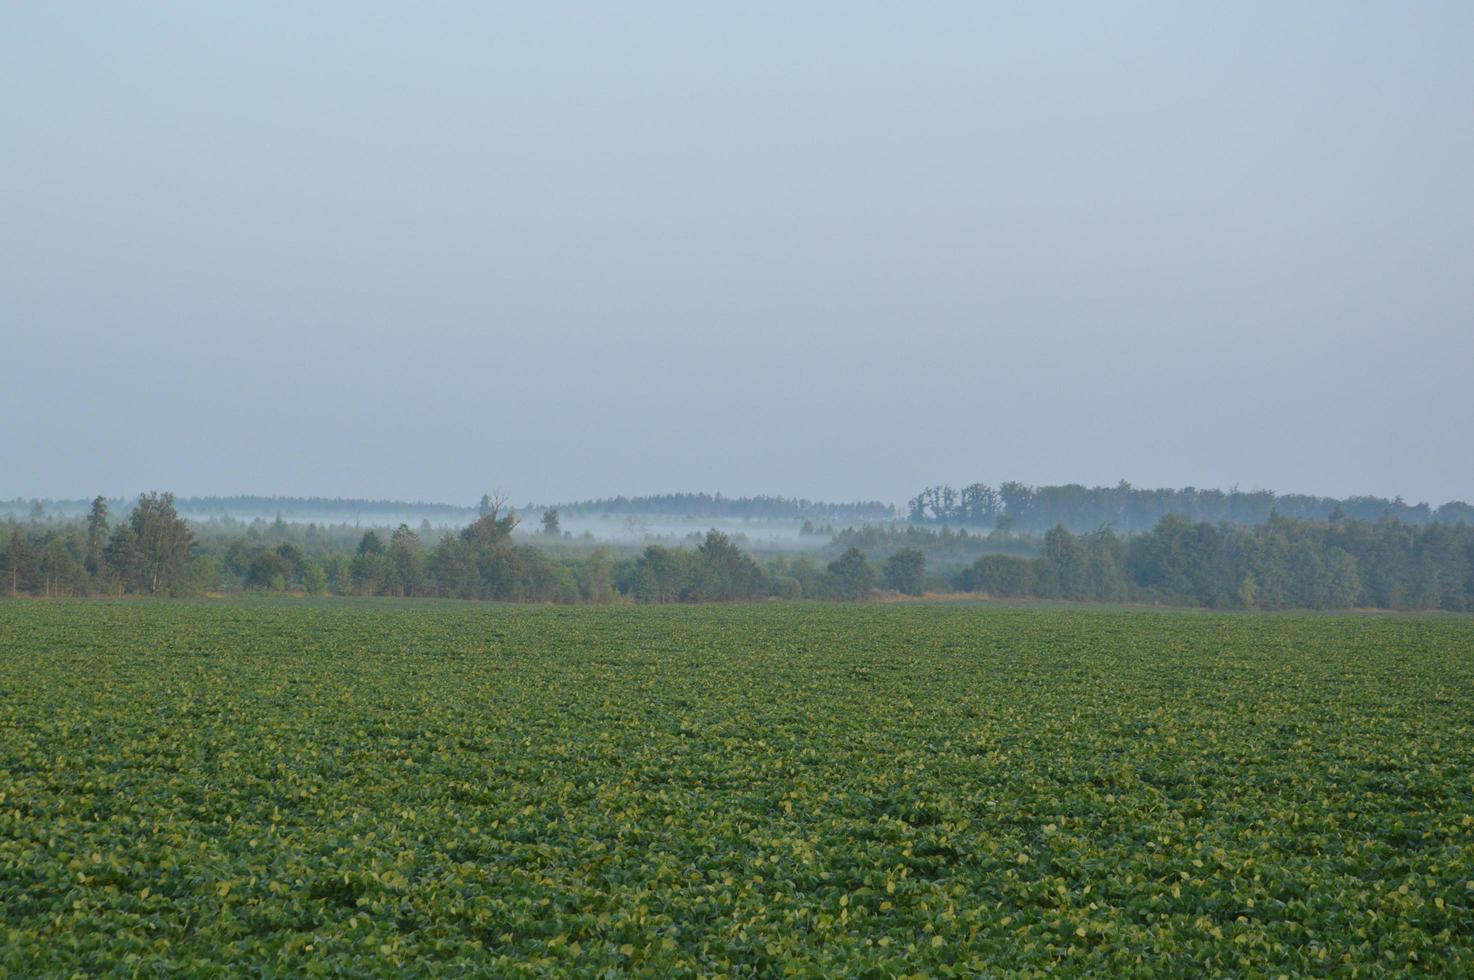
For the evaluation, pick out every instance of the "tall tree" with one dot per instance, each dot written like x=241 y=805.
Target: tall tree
x=17 y=561
x=96 y=534
x=408 y=561
x=58 y=570
x=1016 y=500
x=979 y=504
x=164 y=539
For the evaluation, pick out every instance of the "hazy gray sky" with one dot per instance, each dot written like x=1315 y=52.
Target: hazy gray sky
x=826 y=249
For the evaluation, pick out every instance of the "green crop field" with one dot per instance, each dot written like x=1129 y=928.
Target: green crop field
x=356 y=788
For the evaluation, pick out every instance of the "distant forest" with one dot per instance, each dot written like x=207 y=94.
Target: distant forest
x=702 y=505
x=1132 y=510
x=1009 y=508
x=715 y=505
x=154 y=551
x=306 y=508
x=1284 y=563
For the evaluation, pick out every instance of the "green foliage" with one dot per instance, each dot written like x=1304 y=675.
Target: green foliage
x=905 y=571
x=196 y=578
x=315 y=580
x=716 y=571
x=853 y=575
x=1248 y=594
x=165 y=541
x=96 y=534
x=17 y=562
x=339 y=569
x=408 y=563
x=289 y=788
x=1281 y=564
x=268 y=569
x=1004 y=576
x=122 y=559
x=595 y=577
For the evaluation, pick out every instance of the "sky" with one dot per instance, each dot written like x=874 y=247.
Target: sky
x=833 y=250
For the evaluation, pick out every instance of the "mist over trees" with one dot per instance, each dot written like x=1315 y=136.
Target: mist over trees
x=322 y=509
x=943 y=546
x=716 y=505
x=1130 y=510
x=1284 y=562
x=335 y=509
x=1011 y=507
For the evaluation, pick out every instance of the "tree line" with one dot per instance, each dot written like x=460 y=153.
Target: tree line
x=1128 y=510
x=154 y=551
x=149 y=552
x=1011 y=507
x=1281 y=564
